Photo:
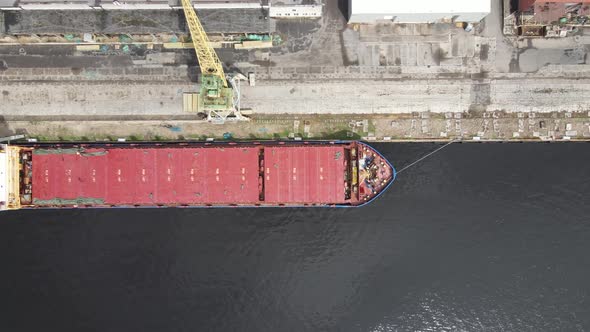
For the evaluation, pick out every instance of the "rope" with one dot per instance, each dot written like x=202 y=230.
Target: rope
x=426 y=156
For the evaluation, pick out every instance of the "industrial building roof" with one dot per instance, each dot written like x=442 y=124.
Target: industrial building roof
x=424 y=6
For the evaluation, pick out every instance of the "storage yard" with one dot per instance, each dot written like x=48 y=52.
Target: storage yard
x=83 y=74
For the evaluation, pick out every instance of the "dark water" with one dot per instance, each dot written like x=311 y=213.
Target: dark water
x=480 y=237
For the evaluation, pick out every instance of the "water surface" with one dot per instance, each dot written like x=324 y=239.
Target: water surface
x=479 y=237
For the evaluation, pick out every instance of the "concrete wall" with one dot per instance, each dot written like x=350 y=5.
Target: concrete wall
x=416 y=17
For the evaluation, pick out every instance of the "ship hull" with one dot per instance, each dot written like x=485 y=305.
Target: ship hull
x=200 y=175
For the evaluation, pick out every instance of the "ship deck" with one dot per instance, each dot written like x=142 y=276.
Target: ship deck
x=304 y=174
x=188 y=176
x=146 y=176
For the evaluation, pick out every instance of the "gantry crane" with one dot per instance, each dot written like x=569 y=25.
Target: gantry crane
x=220 y=101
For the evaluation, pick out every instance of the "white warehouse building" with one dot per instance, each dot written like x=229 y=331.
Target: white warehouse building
x=425 y=11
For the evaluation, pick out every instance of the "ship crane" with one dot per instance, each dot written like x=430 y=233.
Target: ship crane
x=220 y=101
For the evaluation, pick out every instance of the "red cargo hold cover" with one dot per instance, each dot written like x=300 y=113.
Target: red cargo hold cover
x=304 y=174
x=146 y=176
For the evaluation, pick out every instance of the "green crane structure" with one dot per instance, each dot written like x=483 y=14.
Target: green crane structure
x=220 y=101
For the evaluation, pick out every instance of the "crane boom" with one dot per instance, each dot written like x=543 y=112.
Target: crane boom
x=220 y=101
x=208 y=60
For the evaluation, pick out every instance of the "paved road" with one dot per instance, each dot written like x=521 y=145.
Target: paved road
x=103 y=98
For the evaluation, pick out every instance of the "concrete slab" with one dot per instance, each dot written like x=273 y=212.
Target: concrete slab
x=136 y=21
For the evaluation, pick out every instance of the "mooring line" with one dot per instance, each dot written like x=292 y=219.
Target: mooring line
x=426 y=156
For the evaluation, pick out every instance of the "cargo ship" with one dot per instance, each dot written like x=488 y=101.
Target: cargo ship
x=192 y=174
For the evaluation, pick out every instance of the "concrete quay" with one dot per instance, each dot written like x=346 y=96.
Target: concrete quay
x=425 y=126
x=158 y=91
x=145 y=102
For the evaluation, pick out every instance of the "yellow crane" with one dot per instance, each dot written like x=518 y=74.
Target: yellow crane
x=215 y=97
